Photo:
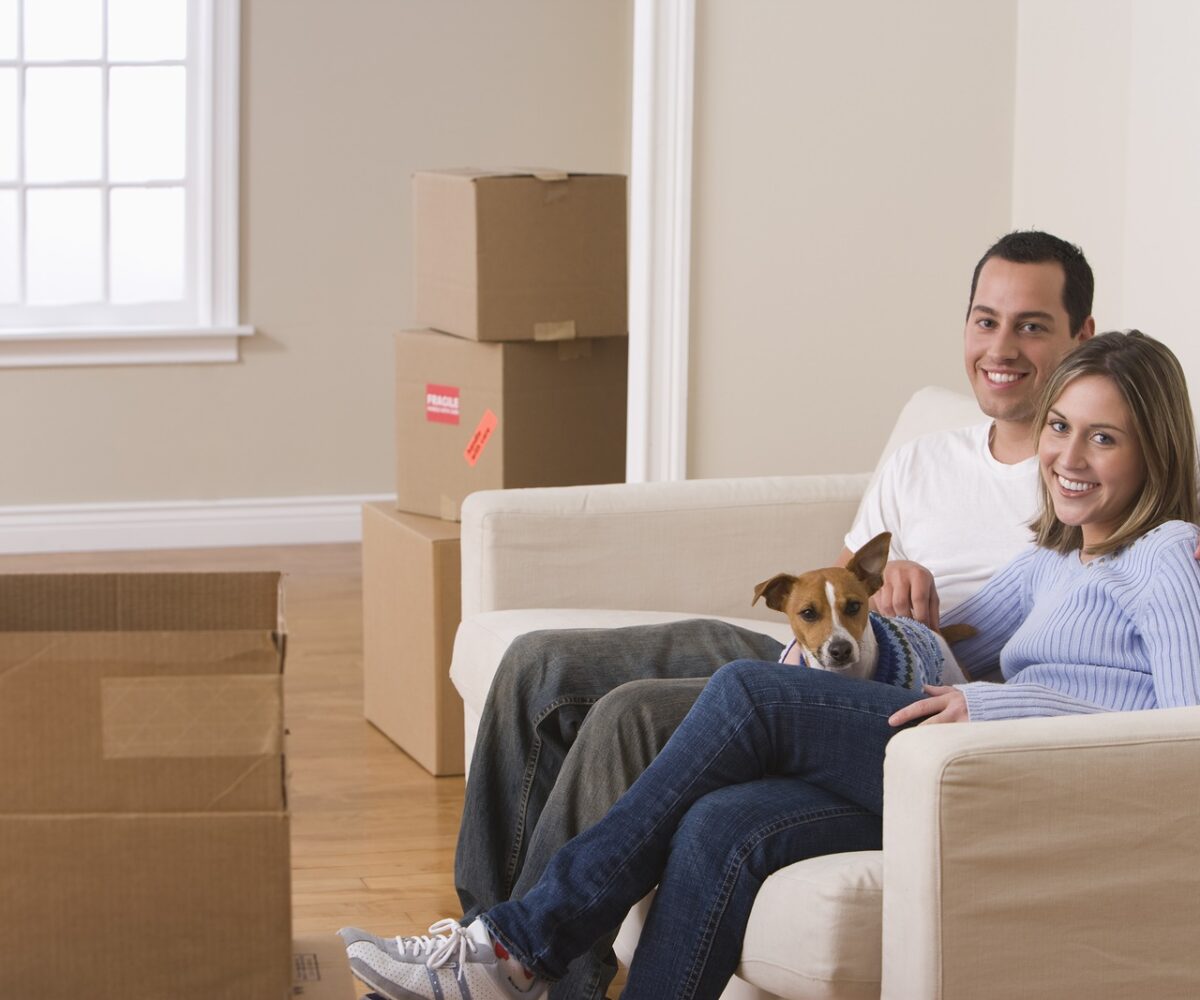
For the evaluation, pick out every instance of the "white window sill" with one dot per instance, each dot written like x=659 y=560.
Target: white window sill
x=87 y=346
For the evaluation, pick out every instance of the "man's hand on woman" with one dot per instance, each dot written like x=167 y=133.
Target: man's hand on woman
x=944 y=704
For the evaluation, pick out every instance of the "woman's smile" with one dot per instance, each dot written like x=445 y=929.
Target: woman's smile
x=1090 y=457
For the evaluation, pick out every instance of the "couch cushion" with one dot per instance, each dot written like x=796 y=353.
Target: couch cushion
x=482 y=639
x=932 y=409
x=816 y=928
x=814 y=932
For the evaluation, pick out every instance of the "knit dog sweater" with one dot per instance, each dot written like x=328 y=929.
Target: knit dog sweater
x=909 y=653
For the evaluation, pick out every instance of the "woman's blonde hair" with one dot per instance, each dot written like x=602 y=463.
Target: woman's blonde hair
x=1150 y=380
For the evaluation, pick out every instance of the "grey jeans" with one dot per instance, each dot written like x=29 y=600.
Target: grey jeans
x=572 y=718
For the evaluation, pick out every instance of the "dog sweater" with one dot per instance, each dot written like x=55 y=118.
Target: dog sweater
x=909 y=653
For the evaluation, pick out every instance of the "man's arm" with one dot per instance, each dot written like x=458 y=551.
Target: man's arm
x=908 y=589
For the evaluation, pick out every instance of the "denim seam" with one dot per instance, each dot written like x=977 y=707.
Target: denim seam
x=532 y=964
x=497 y=935
x=729 y=878
x=531 y=763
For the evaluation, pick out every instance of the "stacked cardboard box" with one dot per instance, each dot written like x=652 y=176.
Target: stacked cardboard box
x=143 y=816
x=518 y=379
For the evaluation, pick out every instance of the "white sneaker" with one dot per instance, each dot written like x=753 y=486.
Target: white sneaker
x=455 y=962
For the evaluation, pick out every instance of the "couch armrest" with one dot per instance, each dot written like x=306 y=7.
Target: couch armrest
x=1043 y=857
x=695 y=546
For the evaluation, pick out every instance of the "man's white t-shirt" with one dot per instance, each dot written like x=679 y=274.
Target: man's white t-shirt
x=951 y=507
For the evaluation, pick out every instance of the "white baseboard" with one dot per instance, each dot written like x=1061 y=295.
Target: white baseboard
x=182 y=524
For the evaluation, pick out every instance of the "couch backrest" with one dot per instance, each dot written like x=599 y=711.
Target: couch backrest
x=932 y=409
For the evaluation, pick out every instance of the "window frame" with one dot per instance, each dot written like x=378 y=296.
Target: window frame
x=213 y=206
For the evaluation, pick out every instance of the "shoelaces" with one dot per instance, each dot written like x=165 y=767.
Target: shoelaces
x=446 y=938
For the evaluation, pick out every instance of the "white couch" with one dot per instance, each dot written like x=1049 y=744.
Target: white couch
x=1035 y=858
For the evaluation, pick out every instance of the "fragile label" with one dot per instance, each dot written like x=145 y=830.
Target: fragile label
x=441 y=404
x=479 y=439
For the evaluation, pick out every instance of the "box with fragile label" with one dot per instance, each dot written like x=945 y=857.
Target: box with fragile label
x=524 y=255
x=412 y=603
x=473 y=416
x=143 y=819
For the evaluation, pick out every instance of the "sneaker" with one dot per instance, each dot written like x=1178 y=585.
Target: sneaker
x=455 y=962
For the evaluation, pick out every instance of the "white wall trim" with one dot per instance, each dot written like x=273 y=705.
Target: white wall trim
x=221 y=39
x=660 y=238
x=132 y=346
x=183 y=524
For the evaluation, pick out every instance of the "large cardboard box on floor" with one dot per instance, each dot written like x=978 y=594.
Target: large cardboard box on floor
x=143 y=821
x=321 y=970
x=520 y=255
x=412 y=602
x=472 y=416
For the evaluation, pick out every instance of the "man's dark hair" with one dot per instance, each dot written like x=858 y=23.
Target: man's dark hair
x=1029 y=246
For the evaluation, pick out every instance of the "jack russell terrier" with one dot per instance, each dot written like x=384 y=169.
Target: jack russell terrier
x=835 y=631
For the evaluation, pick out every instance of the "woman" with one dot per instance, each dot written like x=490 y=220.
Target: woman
x=1103 y=614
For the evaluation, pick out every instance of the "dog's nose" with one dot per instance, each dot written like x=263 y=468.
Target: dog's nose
x=840 y=651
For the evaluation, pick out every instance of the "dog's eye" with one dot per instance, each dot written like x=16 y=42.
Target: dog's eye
x=853 y=607
x=809 y=615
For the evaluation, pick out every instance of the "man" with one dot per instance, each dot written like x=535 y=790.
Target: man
x=1014 y=339
x=957 y=503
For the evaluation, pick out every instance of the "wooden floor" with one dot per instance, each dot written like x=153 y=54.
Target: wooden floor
x=372 y=833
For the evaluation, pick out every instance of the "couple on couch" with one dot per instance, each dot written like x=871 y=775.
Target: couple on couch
x=1090 y=442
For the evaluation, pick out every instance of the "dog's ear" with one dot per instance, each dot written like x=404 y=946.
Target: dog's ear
x=774 y=591
x=868 y=562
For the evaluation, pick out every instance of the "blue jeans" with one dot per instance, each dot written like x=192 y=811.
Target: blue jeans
x=567 y=727
x=728 y=842
x=753 y=725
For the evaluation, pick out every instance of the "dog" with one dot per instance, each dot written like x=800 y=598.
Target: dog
x=829 y=611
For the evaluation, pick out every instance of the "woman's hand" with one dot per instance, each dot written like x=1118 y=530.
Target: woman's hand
x=944 y=704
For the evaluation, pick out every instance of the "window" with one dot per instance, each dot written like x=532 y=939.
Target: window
x=118 y=181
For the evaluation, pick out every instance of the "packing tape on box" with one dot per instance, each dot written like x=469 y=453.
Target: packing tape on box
x=554 y=331
x=215 y=715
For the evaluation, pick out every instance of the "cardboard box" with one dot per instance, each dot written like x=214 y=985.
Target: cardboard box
x=411 y=608
x=321 y=970
x=472 y=416
x=520 y=256
x=143 y=820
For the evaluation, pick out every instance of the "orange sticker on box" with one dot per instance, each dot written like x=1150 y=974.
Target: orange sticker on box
x=479 y=440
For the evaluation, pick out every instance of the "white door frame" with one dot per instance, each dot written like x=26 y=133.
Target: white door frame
x=660 y=223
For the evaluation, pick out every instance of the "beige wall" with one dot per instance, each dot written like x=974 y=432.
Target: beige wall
x=341 y=101
x=1107 y=153
x=852 y=161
